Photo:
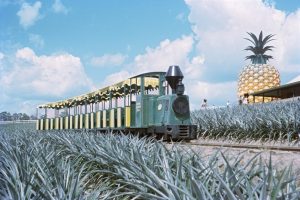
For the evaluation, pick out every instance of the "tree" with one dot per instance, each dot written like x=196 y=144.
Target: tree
x=33 y=117
x=24 y=117
x=5 y=116
x=15 y=116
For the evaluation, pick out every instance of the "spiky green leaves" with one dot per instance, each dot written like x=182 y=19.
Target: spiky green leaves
x=259 y=49
x=276 y=121
x=81 y=165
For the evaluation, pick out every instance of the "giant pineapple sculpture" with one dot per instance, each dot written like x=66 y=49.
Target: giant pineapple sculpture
x=258 y=75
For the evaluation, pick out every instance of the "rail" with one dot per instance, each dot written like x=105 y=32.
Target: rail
x=18 y=122
x=245 y=146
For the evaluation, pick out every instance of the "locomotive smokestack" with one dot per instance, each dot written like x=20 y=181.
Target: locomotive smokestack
x=174 y=77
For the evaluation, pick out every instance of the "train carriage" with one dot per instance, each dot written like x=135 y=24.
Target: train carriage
x=152 y=103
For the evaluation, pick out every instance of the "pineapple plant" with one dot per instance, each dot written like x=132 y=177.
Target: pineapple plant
x=258 y=75
x=258 y=122
x=82 y=165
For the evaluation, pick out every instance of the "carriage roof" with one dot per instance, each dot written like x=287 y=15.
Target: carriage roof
x=129 y=86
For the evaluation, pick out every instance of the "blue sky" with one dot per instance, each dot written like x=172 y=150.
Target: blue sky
x=52 y=50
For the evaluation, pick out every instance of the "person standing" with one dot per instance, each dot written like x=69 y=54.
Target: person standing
x=245 y=100
x=204 y=103
x=240 y=100
x=228 y=104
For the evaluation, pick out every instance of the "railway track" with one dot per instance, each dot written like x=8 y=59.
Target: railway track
x=282 y=156
x=244 y=146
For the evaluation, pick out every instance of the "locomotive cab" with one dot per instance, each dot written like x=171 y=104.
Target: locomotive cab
x=173 y=110
x=167 y=114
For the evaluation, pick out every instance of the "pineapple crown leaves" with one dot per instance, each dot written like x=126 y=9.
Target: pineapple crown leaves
x=259 y=49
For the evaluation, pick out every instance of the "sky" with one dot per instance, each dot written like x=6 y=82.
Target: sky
x=56 y=49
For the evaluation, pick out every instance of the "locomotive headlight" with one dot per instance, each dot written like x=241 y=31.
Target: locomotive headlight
x=181 y=106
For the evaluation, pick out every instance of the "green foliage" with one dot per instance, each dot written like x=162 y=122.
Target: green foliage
x=6 y=116
x=278 y=121
x=84 y=165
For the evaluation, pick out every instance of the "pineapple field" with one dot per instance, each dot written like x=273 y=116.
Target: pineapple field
x=85 y=165
x=277 y=121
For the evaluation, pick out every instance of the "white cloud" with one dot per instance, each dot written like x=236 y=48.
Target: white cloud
x=289 y=45
x=215 y=93
x=28 y=79
x=1 y=66
x=27 y=107
x=168 y=53
x=29 y=14
x=296 y=79
x=159 y=58
x=1 y=56
x=36 y=40
x=25 y=54
x=58 y=7
x=176 y=52
x=116 y=77
x=194 y=69
x=108 y=60
x=5 y=100
x=43 y=76
x=220 y=27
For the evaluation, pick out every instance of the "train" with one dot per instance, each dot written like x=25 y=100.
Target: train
x=149 y=104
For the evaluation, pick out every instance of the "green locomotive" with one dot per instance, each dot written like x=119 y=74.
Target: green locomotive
x=148 y=104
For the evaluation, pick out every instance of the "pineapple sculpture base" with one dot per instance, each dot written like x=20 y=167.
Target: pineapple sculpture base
x=256 y=77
